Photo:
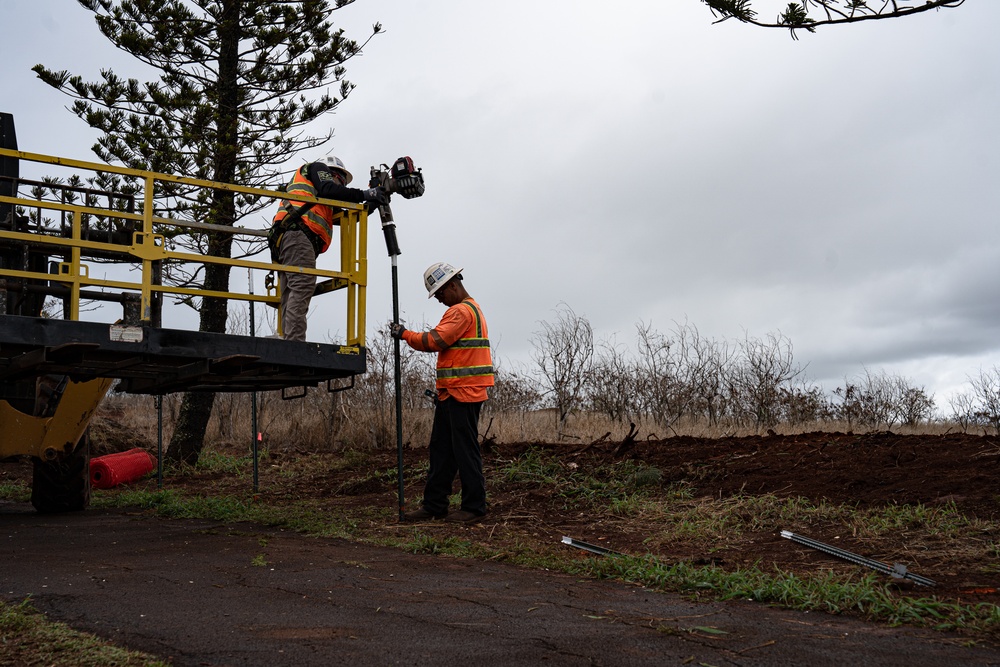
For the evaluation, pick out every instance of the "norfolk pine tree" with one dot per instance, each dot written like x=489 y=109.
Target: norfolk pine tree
x=811 y=14
x=230 y=104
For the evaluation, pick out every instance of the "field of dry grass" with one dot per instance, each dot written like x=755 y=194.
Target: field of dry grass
x=317 y=424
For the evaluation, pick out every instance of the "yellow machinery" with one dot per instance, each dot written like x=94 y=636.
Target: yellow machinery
x=55 y=372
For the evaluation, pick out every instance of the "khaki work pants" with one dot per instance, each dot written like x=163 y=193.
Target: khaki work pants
x=296 y=288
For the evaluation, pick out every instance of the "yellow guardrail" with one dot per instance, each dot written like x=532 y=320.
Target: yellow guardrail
x=150 y=244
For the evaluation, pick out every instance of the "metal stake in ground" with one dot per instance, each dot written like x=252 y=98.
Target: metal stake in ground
x=253 y=403
x=159 y=441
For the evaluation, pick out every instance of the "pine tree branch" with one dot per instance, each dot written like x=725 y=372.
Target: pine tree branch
x=796 y=15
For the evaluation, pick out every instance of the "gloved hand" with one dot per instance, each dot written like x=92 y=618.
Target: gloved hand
x=396 y=331
x=377 y=196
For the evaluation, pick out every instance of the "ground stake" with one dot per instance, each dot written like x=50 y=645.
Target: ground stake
x=592 y=548
x=897 y=571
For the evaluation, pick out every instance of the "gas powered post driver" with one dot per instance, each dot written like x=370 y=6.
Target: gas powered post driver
x=403 y=178
x=409 y=182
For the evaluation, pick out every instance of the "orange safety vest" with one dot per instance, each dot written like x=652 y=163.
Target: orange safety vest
x=319 y=219
x=467 y=363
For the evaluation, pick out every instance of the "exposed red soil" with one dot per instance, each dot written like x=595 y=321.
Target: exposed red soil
x=864 y=471
x=867 y=470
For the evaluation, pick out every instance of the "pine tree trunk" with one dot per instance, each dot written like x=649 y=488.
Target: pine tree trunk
x=196 y=409
x=189 y=436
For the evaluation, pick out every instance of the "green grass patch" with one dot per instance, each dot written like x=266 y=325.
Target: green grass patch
x=28 y=638
x=533 y=468
x=422 y=543
x=866 y=596
x=15 y=491
x=216 y=461
x=942 y=521
x=620 y=486
x=306 y=517
x=711 y=519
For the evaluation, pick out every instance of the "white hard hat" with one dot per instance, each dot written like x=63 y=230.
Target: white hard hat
x=334 y=162
x=437 y=275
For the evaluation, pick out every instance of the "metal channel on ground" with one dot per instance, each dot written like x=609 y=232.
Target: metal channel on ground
x=897 y=571
x=592 y=548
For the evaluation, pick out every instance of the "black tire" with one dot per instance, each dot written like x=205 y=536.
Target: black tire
x=62 y=485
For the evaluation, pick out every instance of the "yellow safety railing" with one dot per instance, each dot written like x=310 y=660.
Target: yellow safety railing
x=149 y=245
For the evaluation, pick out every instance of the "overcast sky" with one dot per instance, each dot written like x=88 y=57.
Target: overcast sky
x=641 y=164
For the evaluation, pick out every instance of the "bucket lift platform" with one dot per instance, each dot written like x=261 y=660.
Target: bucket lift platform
x=149 y=360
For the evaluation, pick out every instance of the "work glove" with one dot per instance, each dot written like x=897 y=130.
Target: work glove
x=377 y=196
x=396 y=331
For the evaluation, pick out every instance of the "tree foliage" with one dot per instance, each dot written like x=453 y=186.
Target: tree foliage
x=232 y=90
x=238 y=82
x=811 y=14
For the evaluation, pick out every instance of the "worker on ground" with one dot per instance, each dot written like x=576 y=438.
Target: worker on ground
x=464 y=371
x=302 y=231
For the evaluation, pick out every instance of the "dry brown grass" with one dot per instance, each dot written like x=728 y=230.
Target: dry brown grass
x=323 y=422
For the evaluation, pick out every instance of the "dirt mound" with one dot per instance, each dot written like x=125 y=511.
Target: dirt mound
x=870 y=469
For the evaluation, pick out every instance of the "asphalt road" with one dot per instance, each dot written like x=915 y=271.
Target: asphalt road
x=198 y=593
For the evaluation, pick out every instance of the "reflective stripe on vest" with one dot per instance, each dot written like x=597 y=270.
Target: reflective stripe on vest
x=318 y=219
x=467 y=363
x=472 y=371
x=472 y=342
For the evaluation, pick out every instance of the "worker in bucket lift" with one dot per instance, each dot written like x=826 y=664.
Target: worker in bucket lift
x=464 y=371
x=302 y=231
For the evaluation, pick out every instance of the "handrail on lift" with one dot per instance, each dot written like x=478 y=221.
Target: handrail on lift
x=148 y=245
x=145 y=357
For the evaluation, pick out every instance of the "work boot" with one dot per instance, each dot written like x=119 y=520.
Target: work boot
x=462 y=516
x=421 y=514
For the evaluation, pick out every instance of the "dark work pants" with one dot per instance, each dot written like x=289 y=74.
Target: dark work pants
x=454 y=448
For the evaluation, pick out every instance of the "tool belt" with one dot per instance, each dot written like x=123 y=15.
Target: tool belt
x=292 y=222
x=278 y=230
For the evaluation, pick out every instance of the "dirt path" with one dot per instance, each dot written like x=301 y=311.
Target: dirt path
x=196 y=593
